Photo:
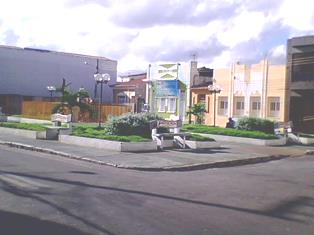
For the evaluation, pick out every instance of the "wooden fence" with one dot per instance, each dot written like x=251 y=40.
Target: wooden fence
x=43 y=110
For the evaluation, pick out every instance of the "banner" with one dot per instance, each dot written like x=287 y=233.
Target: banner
x=165 y=88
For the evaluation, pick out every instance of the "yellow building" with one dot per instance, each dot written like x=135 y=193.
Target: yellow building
x=259 y=90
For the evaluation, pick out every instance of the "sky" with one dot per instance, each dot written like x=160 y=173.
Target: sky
x=139 y=32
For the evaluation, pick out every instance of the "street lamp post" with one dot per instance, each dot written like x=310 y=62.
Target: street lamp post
x=101 y=78
x=214 y=89
x=51 y=89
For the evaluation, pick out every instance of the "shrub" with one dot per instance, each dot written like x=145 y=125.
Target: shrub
x=227 y=131
x=25 y=126
x=100 y=133
x=255 y=124
x=196 y=137
x=198 y=110
x=131 y=124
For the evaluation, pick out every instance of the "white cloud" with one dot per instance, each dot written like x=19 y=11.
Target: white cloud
x=298 y=14
x=144 y=31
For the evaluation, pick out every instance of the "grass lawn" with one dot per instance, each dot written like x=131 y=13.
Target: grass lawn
x=95 y=132
x=24 y=126
x=306 y=135
x=196 y=137
x=196 y=128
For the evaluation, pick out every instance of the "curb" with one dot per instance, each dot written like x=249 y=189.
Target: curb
x=309 y=152
x=201 y=166
x=54 y=152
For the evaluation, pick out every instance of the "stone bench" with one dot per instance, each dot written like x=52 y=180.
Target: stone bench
x=160 y=138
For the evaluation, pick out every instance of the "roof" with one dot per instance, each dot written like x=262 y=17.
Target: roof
x=133 y=75
x=204 y=84
x=53 y=52
x=130 y=84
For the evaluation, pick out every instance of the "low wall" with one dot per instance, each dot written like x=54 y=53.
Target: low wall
x=234 y=139
x=27 y=120
x=19 y=132
x=201 y=144
x=48 y=134
x=306 y=140
x=108 y=145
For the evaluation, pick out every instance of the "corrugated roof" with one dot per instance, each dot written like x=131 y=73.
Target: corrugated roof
x=54 y=52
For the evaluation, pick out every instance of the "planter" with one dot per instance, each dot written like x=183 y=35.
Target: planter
x=201 y=144
x=306 y=140
x=3 y=118
x=27 y=120
x=49 y=134
x=108 y=144
x=19 y=132
x=224 y=138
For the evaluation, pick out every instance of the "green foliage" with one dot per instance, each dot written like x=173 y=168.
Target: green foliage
x=162 y=130
x=70 y=99
x=100 y=133
x=198 y=111
x=131 y=124
x=24 y=126
x=255 y=124
x=227 y=131
x=306 y=135
x=196 y=137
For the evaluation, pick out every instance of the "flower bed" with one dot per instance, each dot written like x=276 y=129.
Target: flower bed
x=100 y=133
x=195 y=141
x=228 y=132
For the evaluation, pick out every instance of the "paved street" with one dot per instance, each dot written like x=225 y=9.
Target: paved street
x=45 y=194
x=171 y=159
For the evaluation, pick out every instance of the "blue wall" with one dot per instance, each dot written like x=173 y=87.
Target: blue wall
x=28 y=72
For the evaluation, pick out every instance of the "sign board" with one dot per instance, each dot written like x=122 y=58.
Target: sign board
x=57 y=117
x=166 y=88
x=153 y=124
x=283 y=127
x=170 y=123
x=168 y=71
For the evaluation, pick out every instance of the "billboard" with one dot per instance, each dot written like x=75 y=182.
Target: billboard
x=166 y=88
x=168 y=71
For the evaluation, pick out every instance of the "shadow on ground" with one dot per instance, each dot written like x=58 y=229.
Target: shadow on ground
x=19 y=224
x=286 y=210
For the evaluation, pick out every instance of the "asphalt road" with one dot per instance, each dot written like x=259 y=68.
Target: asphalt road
x=44 y=194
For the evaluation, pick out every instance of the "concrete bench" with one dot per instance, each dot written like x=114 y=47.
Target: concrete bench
x=161 y=137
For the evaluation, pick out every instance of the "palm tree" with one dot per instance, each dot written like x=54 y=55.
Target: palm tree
x=71 y=99
x=198 y=110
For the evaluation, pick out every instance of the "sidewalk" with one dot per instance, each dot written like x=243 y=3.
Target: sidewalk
x=176 y=159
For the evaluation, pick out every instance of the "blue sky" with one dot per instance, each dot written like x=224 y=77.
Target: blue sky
x=139 y=32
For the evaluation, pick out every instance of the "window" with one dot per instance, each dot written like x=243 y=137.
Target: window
x=172 y=105
x=240 y=105
x=274 y=106
x=121 y=99
x=255 y=110
x=201 y=98
x=256 y=105
x=208 y=104
x=223 y=106
x=162 y=105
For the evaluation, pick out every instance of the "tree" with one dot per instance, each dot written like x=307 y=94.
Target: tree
x=198 y=111
x=71 y=99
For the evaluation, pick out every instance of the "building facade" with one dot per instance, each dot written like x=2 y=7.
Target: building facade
x=166 y=90
x=259 y=90
x=300 y=74
x=25 y=74
x=131 y=91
